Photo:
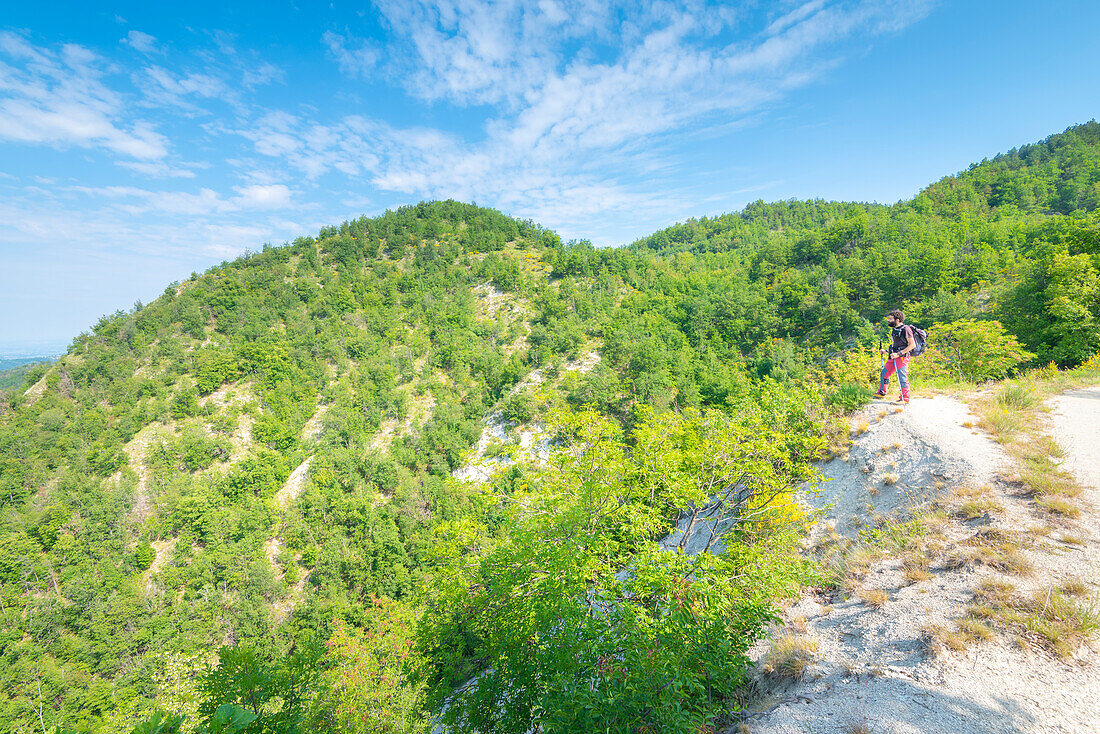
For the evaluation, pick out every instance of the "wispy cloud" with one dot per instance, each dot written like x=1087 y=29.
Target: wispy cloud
x=204 y=202
x=358 y=60
x=160 y=169
x=579 y=127
x=142 y=42
x=59 y=98
x=162 y=87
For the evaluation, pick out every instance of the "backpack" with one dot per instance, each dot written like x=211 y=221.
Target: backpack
x=919 y=337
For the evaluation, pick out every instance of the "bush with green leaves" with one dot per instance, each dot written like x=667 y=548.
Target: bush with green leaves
x=979 y=350
x=850 y=396
x=581 y=619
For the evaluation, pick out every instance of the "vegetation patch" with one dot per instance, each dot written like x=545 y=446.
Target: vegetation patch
x=1055 y=619
x=789 y=656
x=962 y=634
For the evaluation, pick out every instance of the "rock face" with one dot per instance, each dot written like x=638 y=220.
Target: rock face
x=530 y=442
x=294 y=485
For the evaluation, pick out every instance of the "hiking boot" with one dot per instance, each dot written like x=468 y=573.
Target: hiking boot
x=880 y=395
x=903 y=400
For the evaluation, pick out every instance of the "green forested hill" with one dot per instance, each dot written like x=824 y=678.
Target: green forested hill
x=252 y=475
x=1015 y=238
x=13 y=372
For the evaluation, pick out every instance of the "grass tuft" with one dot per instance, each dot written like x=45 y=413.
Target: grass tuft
x=1053 y=619
x=790 y=656
x=967 y=630
x=973 y=509
x=1059 y=506
x=1017 y=396
x=874 y=598
x=915 y=566
x=1074 y=587
x=994 y=548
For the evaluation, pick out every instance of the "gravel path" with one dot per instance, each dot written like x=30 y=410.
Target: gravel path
x=871 y=670
x=1076 y=421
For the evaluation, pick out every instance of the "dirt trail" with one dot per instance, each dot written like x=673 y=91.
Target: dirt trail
x=1076 y=425
x=900 y=458
x=137 y=450
x=871 y=669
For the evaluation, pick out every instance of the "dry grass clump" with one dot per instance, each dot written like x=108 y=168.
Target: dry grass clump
x=1059 y=506
x=858 y=727
x=1053 y=619
x=915 y=566
x=969 y=502
x=890 y=479
x=874 y=597
x=1043 y=480
x=989 y=596
x=860 y=427
x=995 y=590
x=1074 y=587
x=967 y=630
x=973 y=509
x=994 y=548
x=790 y=656
x=848 y=562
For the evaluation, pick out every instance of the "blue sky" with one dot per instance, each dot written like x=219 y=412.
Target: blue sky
x=142 y=141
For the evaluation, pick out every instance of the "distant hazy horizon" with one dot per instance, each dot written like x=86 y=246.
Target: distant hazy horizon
x=29 y=349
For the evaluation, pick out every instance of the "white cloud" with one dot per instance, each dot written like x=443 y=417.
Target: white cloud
x=359 y=61
x=59 y=99
x=135 y=200
x=785 y=21
x=162 y=87
x=262 y=197
x=142 y=42
x=586 y=97
x=157 y=169
x=181 y=233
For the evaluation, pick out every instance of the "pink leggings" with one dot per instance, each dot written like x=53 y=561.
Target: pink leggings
x=901 y=366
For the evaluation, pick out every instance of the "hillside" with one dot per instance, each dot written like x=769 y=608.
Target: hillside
x=265 y=463
x=969 y=615
x=14 y=372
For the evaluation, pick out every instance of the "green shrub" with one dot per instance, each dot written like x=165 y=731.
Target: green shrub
x=143 y=557
x=185 y=404
x=979 y=350
x=1017 y=395
x=849 y=396
x=517 y=408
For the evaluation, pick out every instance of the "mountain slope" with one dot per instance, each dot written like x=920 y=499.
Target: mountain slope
x=269 y=446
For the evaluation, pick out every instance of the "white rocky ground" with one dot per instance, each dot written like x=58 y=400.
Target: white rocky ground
x=872 y=671
x=531 y=440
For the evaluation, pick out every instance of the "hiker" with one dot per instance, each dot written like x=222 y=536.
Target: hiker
x=898 y=355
